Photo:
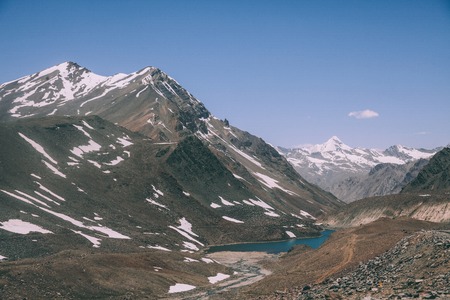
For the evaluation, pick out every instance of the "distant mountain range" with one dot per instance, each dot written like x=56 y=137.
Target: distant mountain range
x=135 y=160
x=355 y=173
x=426 y=197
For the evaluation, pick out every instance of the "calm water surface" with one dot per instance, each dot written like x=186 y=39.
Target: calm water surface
x=274 y=247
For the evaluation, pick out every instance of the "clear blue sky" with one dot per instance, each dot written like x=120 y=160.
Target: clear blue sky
x=291 y=72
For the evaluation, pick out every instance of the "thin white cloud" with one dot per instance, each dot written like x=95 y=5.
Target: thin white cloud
x=422 y=133
x=363 y=114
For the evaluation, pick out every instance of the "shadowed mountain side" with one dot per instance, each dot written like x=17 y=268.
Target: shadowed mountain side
x=433 y=177
x=93 y=183
x=383 y=179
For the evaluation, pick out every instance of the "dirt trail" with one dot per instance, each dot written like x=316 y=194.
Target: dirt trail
x=349 y=251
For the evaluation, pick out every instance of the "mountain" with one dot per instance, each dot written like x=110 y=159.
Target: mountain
x=130 y=177
x=383 y=179
x=434 y=176
x=426 y=197
x=139 y=150
x=335 y=166
x=111 y=186
x=425 y=206
x=146 y=101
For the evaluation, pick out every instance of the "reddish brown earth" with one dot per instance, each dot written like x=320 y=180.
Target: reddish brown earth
x=340 y=254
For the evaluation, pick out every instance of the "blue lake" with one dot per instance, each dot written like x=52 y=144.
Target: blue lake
x=274 y=247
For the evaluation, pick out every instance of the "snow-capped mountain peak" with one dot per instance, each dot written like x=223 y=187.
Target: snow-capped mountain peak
x=54 y=85
x=405 y=153
x=333 y=144
x=323 y=163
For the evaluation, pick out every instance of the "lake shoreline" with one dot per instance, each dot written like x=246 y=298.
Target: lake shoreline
x=325 y=234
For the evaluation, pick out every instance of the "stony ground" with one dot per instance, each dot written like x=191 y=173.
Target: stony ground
x=417 y=267
x=87 y=275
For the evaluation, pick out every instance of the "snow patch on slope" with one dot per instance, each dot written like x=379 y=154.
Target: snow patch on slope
x=232 y=219
x=271 y=183
x=22 y=227
x=217 y=278
x=38 y=148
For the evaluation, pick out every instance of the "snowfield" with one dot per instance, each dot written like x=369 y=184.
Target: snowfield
x=180 y=287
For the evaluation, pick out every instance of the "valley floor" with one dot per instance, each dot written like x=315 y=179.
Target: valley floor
x=248 y=268
x=386 y=259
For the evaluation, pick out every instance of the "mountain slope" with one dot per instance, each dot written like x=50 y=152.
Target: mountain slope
x=383 y=179
x=433 y=207
x=336 y=167
x=83 y=198
x=434 y=176
x=89 y=181
x=154 y=104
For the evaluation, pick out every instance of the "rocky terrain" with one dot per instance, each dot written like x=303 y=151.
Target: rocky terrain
x=363 y=262
x=417 y=267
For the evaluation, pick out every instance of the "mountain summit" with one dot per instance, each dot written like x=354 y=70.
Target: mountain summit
x=333 y=144
x=148 y=100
